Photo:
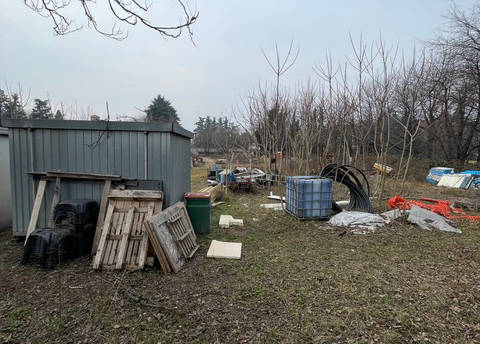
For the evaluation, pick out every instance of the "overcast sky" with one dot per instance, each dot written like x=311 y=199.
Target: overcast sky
x=87 y=69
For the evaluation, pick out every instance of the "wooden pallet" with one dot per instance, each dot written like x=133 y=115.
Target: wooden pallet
x=172 y=236
x=124 y=241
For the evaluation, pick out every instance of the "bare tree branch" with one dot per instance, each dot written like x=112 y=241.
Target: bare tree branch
x=129 y=12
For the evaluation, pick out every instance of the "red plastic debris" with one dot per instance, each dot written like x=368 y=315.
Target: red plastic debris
x=444 y=208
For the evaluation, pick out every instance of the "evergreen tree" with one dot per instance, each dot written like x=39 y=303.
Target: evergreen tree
x=161 y=110
x=3 y=102
x=41 y=110
x=58 y=115
x=13 y=108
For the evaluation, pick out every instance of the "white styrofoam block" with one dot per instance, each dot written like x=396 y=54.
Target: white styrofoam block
x=273 y=206
x=227 y=220
x=222 y=249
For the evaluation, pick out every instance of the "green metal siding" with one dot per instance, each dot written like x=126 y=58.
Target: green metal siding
x=82 y=149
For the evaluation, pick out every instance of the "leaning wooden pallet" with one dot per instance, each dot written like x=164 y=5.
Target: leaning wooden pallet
x=171 y=234
x=124 y=242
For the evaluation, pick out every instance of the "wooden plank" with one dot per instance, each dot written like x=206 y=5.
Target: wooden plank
x=55 y=199
x=130 y=242
x=101 y=214
x=157 y=247
x=36 y=208
x=135 y=243
x=125 y=236
x=82 y=175
x=193 y=252
x=117 y=229
x=108 y=243
x=137 y=210
x=119 y=237
x=103 y=237
x=137 y=194
x=142 y=252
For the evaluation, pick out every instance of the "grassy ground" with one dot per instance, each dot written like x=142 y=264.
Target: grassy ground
x=296 y=282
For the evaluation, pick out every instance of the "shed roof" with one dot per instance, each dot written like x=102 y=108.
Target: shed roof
x=172 y=127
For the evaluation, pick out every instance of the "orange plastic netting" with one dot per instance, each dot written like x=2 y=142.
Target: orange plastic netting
x=444 y=208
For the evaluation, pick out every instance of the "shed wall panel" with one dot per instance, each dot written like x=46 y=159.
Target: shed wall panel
x=119 y=152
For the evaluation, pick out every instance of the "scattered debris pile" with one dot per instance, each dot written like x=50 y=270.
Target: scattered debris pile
x=367 y=223
x=240 y=178
x=248 y=175
x=197 y=160
x=441 y=207
x=436 y=173
x=446 y=177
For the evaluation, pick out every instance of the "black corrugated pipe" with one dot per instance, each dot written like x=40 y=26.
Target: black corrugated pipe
x=345 y=174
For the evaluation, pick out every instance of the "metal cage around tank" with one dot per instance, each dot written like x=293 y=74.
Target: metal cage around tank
x=150 y=151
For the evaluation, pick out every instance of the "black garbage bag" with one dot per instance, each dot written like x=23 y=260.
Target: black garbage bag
x=71 y=237
x=42 y=247
x=76 y=212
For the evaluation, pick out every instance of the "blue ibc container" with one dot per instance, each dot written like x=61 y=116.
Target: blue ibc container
x=309 y=197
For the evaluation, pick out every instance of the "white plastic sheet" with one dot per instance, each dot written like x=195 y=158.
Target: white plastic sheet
x=428 y=220
x=360 y=222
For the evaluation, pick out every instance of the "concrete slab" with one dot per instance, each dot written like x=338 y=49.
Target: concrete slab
x=222 y=249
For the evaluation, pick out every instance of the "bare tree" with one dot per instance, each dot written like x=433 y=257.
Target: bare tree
x=127 y=12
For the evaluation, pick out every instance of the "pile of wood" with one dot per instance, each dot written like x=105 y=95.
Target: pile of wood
x=215 y=191
x=135 y=225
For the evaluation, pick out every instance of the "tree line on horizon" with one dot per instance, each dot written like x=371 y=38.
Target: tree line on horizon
x=13 y=106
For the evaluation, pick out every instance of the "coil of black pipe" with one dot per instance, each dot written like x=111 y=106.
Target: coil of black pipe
x=347 y=175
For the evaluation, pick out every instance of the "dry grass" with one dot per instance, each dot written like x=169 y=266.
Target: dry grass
x=296 y=282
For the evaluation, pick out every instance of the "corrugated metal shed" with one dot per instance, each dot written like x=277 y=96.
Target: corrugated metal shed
x=130 y=149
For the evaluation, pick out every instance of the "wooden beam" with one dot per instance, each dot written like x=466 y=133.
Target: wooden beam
x=142 y=252
x=101 y=215
x=82 y=175
x=55 y=200
x=136 y=194
x=36 y=208
x=125 y=235
x=103 y=238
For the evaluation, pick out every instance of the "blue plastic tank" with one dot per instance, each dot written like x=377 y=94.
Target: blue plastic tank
x=309 y=197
